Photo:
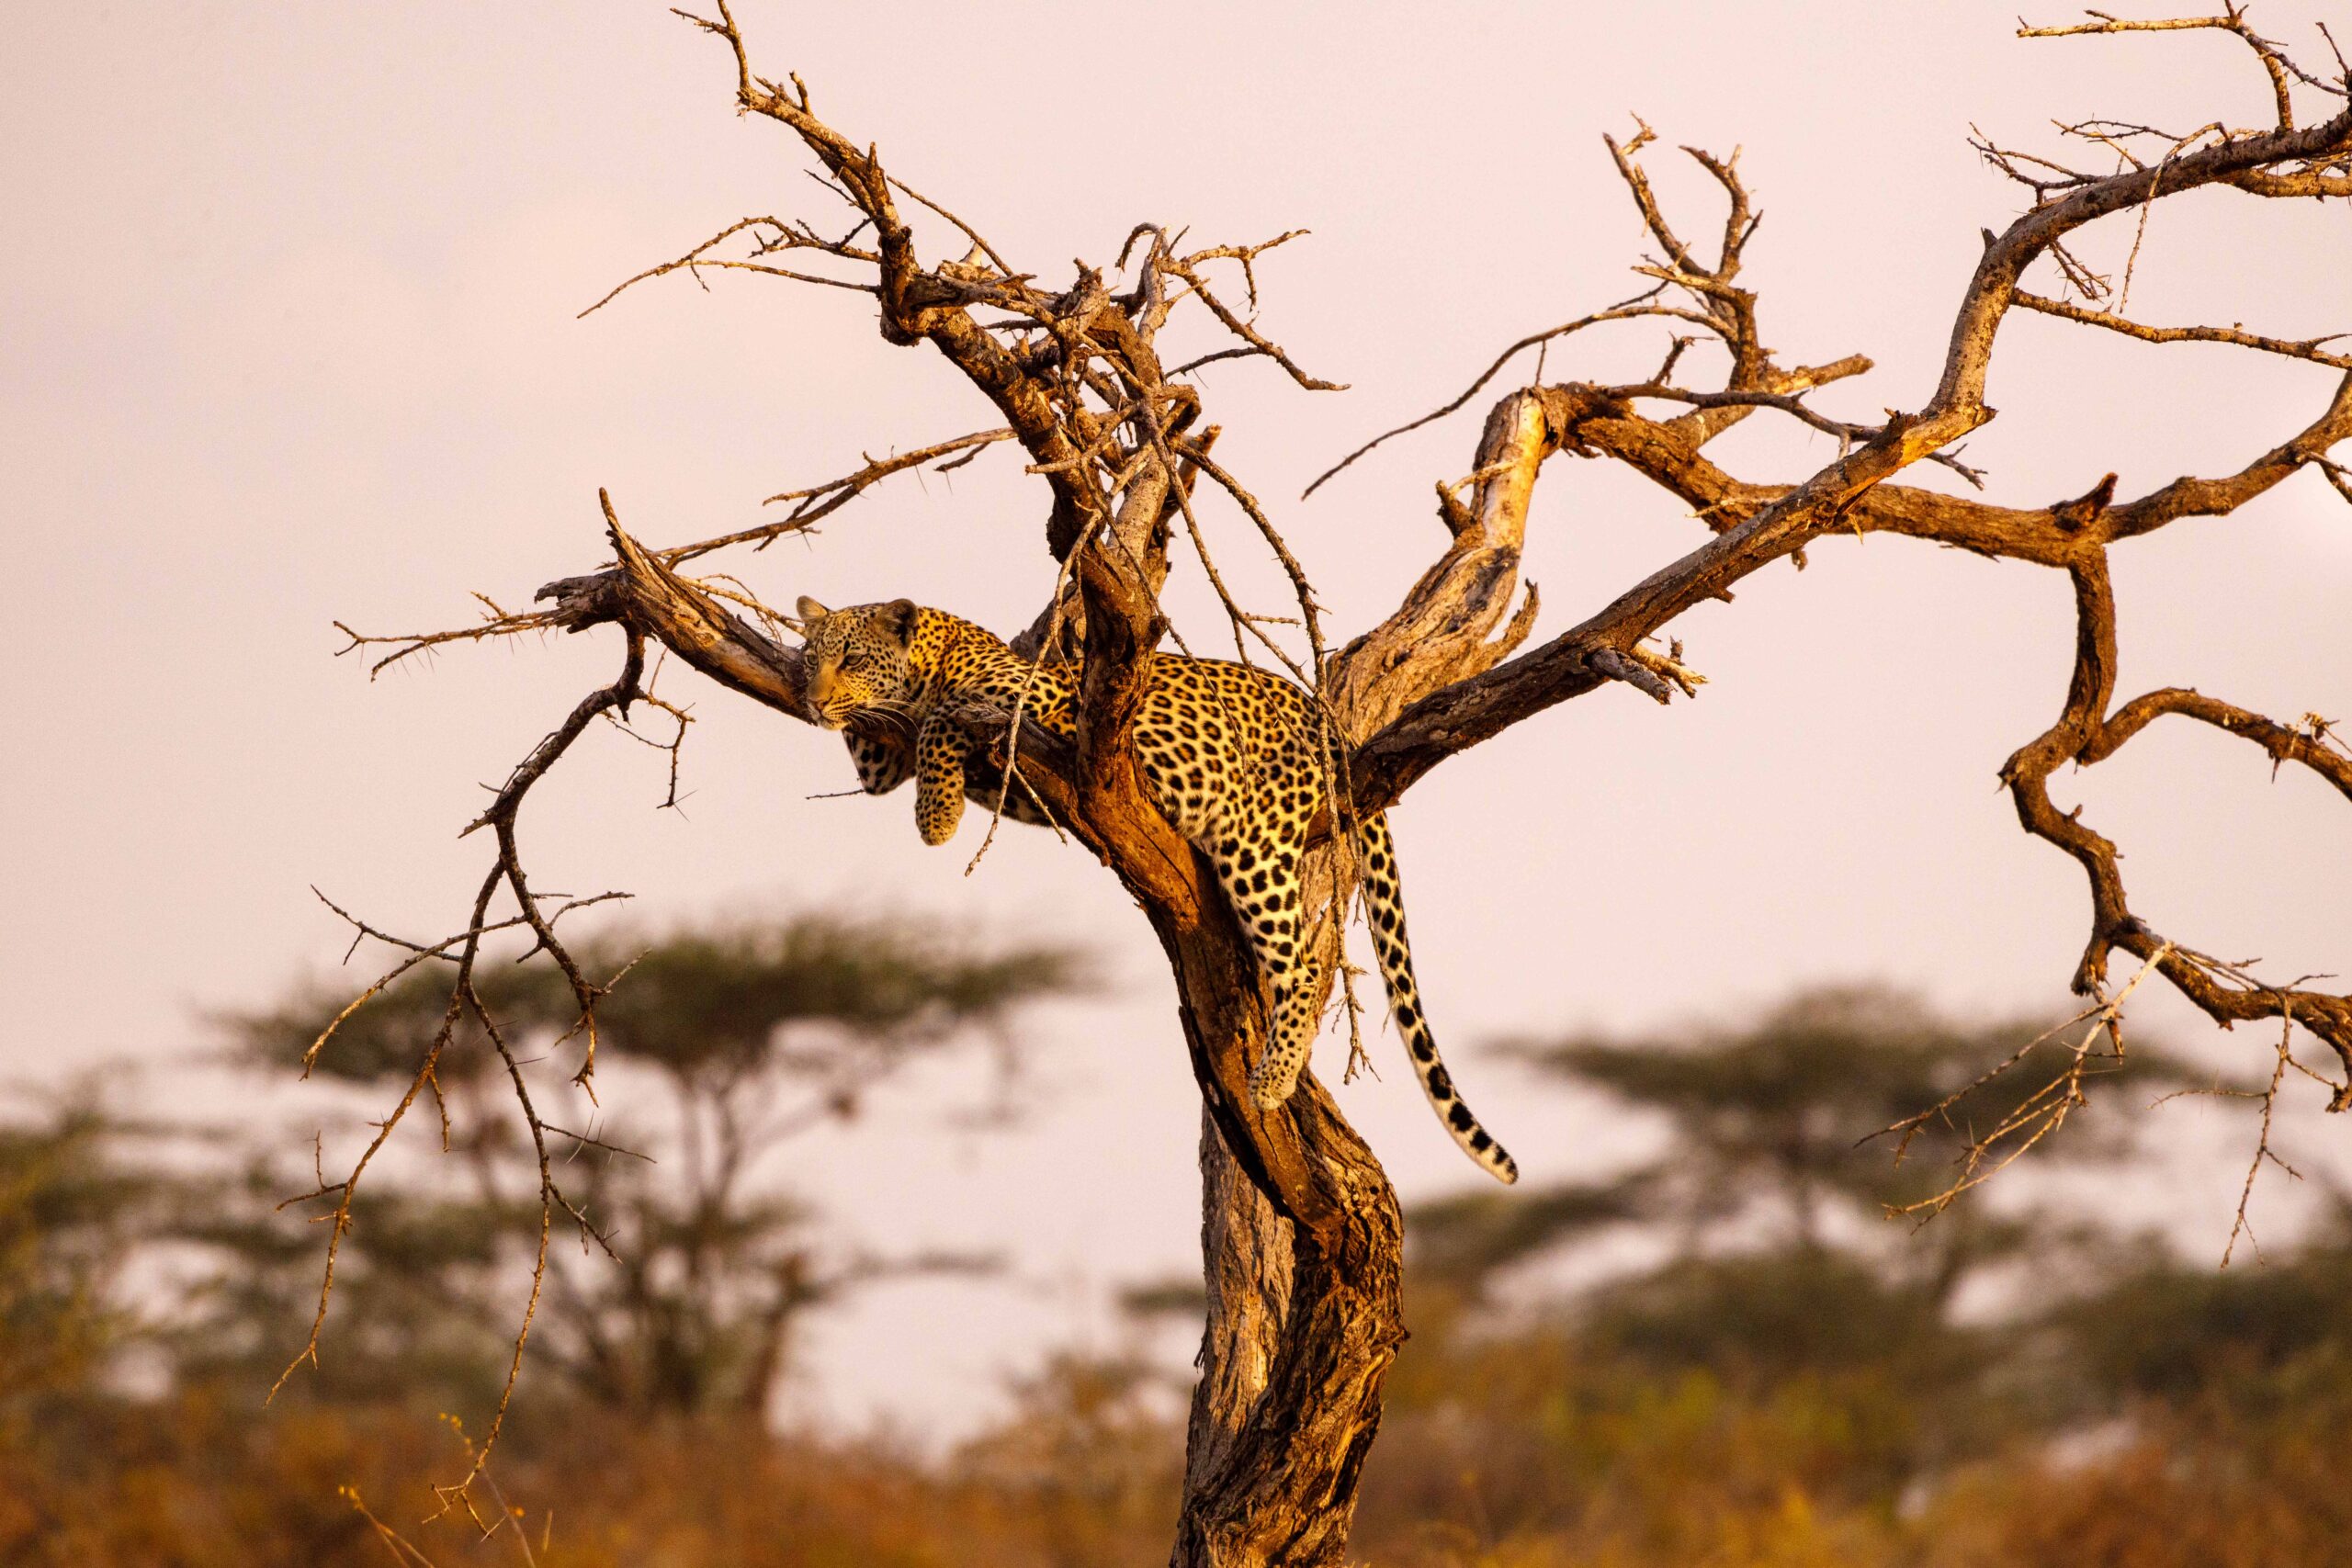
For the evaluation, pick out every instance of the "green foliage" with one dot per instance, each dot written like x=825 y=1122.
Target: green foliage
x=1461 y=1241
x=715 y=1000
x=1789 y=1105
x=732 y=998
x=1760 y=1317
x=1791 y=1382
x=1772 y=1122
x=384 y=1039
x=2265 y=1336
x=1764 y=1381
x=732 y=1041
x=1088 y=1451
x=70 y=1216
x=422 y=1297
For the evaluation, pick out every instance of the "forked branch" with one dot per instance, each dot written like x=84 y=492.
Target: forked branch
x=1078 y=375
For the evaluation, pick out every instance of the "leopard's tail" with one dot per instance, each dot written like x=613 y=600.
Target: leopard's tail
x=1384 y=913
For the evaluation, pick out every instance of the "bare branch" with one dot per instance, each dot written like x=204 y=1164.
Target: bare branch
x=1767 y=525
x=2225 y=992
x=820 y=501
x=1249 y=334
x=2306 y=348
x=2032 y=1119
x=781 y=237
x=1626 y=310
x=1299 y=1205
x=497 y=623
x=2274 y=63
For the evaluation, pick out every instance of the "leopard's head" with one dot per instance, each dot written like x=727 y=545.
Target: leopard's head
x=855 y=660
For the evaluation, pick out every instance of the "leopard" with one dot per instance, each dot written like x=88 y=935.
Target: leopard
x=1235 y=757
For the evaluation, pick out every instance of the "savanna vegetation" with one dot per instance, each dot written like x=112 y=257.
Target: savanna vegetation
x=1725 y=1357
x=1095 y=382
x=249 y=1348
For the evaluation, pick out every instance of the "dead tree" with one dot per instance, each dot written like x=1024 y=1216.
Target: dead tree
x=1301 y=1229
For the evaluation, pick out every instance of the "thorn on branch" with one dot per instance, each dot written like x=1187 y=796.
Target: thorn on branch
x=1638 y=305
x=2311 y=349
x=2032 y=1120
x=464 y=951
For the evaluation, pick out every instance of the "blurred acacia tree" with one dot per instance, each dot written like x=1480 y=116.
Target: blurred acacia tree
x=2276 y=1336
x=1769 y=1127
x=1758 y=1307
x=70 y=1217
x=755 y=1036
x=1768 y=1386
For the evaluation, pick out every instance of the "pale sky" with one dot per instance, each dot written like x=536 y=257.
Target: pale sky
x=289 y=337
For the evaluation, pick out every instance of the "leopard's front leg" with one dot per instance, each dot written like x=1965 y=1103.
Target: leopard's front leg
x=939 y=749
x=883 y=760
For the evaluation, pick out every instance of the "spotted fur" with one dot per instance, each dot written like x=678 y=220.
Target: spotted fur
x=1233 y=757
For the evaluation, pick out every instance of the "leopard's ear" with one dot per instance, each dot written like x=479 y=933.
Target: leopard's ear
x=897 y=618
x=810 y=612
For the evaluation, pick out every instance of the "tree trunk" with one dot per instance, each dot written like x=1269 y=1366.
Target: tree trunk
x=1302 y=1237
x=1301 y=1241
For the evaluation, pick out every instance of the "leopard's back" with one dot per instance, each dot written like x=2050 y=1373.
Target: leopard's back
x=1220 y=742
x=1235 y=758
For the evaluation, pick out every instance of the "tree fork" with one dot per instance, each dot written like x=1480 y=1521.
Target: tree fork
x=1302 y=1241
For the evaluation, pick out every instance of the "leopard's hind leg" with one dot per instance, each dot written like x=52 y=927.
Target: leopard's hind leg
x=1260 y=880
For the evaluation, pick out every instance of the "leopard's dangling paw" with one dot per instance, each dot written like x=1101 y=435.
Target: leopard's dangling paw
x=1271 y=1084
